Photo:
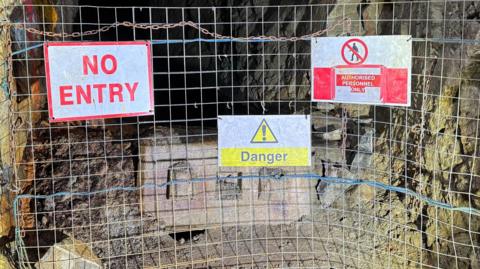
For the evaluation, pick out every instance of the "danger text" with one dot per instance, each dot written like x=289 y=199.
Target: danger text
x=269 y=158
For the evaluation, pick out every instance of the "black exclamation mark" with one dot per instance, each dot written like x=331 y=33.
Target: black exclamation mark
x=264 y=132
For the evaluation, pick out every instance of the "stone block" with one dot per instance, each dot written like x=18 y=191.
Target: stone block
x=208 y=195
x=69 y=254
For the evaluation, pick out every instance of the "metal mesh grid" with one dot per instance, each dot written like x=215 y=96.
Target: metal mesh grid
x=398 y=189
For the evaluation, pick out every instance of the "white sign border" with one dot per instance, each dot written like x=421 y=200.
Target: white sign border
x=308 y=143
x=51 y=115
x=409 y=88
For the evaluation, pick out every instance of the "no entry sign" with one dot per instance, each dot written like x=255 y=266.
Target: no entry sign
x=264 y=140
x=362 y=70
x=93 y=80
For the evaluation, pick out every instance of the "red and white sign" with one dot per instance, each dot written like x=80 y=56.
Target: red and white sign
x=94 y=80
x=362 y=70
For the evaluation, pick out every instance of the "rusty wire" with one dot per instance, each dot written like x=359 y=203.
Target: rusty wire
x=346 y=23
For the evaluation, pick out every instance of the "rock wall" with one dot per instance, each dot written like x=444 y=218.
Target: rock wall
x=430 y=148
x=439 y=161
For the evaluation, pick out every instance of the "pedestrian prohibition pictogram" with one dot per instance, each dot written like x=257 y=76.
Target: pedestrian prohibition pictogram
x=362 y=70
x=264 y=134
x=354 y=51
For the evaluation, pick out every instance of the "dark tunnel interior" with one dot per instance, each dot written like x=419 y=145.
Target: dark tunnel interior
x=185 y=84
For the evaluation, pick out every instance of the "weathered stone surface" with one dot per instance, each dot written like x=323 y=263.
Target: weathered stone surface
x=333 y=135
x=436 y=160
x=325 y=123
x=448 y=150
x=357 y=111
x=328 y=193
x=69 y=254
x=4 y=263
x=469 y=96
x=365 y=145
x=6 y=220
x=197 y=204
x=443 y=153
x=361 y=164
x=74 y=166
x=324 y=107
x=328 y=152
x=377 y=228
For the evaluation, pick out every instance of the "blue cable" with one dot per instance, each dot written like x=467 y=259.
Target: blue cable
x=332 y=180
x=27 y=49
x=468 y=210
x=172 y=41
x=226 y=40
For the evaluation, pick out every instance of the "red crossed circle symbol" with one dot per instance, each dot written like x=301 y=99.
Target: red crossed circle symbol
x=347 y=48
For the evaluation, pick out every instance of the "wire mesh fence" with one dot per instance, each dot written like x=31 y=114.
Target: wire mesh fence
x=388 y=187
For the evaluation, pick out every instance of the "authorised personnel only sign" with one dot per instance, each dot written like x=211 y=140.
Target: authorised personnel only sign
x=93 y=80
x=362 y=70
x=282 y=140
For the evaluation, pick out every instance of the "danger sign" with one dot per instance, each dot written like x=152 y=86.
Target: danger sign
x=264 y=140
x=93 y=80
x=362 y=70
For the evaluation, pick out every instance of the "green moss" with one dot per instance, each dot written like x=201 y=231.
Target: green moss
x=443 y=152
x=445 y=110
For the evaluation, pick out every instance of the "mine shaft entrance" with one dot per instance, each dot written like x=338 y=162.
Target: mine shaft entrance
x=187 y=87
x=122 y=172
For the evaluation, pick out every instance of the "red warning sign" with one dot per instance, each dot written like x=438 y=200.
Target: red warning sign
x=366 y=70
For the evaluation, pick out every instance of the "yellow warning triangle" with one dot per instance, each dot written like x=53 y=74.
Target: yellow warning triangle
x=264 y=134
